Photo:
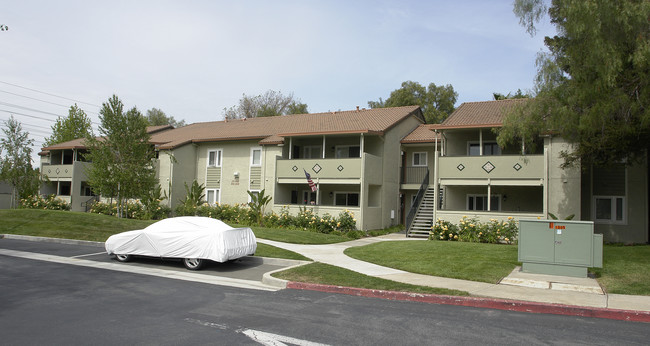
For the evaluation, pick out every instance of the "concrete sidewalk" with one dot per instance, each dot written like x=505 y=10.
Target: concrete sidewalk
x=518 y=286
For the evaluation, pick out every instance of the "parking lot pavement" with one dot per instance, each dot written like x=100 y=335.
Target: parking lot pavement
x=246 y=269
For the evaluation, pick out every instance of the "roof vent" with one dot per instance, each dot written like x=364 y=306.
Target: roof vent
x=357 y=108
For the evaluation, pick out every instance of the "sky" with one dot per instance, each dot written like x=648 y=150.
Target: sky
x=193 y=59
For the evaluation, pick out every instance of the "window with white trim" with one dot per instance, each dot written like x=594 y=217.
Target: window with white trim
x=256 y=156
x=419 y=159
x=609 y=209
x=480 y=202
x=350 y=199
x=212 y=196
x=214 y=158
x=254 y=192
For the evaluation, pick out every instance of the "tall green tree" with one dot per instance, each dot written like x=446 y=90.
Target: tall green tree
x=157 y=117
x=122 y=157
x=437 y=102
x=16 y=161
x=76 y=125
x=592 y=86
x=271 y=103
x=517 y=95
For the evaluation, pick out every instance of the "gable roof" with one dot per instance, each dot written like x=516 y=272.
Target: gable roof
x=272 y=130
x=422 y=134
x=79 y=143
x=480 y=114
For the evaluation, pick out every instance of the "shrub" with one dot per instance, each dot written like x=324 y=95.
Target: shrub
x=51 y=202
x=443 y=230
x=471 y=230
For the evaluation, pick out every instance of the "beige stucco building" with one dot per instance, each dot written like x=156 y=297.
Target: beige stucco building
x=385 y=165
x=474 y=177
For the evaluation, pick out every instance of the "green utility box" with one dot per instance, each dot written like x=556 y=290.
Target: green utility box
x=559 y=247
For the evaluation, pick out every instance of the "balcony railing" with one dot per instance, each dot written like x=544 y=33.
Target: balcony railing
x=412 y=175
x=494 y=167
x=348 y=168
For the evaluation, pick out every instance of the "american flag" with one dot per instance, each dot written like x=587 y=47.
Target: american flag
x=310 y=182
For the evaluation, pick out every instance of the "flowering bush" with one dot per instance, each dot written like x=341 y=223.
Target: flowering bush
x=51 y=202
x=443 y=230
x=133 y=210
x=471 y=230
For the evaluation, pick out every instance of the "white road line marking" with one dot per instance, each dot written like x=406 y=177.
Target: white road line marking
x=178 y=275
x=270 y=339
x=90 y=254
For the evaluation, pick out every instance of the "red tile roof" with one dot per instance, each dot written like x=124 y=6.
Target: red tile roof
x=422 y=134
x=272 y=130
x=480 y=114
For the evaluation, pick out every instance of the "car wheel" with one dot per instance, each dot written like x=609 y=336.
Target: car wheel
x=123 y=258
x=193 y=263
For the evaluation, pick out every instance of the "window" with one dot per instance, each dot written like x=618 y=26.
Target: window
x=86 y=190
x=350 y=199
x=212 y=196
x=419 y=159
x=609 y=209
x=65 y=188
x=256 y=156
x=313 y=152
x=214 y=158
x=254 y=192
x=489 y=149
x=345 y=151
x=309 y=197
x=480 y=203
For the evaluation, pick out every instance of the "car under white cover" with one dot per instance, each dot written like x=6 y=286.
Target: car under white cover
x=191 y=238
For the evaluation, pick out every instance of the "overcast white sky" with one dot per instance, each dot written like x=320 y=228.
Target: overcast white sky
x=192 y=59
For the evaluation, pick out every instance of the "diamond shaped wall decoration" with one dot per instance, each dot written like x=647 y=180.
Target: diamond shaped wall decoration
x=488 y=167
x=317 y=168
x=517 y=167
x=340 y=168
x=460 y=167
x=294 y=168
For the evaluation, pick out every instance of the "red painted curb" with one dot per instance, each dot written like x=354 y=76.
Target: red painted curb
x=489 y=303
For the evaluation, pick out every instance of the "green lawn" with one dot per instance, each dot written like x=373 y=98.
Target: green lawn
x=459 y=260
x=625 y=267
x=321 y=273
x=65 y=224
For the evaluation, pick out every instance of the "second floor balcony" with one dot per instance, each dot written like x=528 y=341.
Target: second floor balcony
x=345 y=170
x=506 y=167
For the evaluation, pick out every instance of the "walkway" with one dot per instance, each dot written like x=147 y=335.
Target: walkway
x=585 y=292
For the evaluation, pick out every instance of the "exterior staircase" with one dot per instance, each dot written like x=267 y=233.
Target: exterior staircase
x=423 y=220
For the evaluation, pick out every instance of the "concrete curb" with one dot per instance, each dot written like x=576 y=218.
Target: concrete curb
x=489 y=303
x=53 y=240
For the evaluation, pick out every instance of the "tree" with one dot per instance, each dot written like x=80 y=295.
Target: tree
x=16 y=161
x=592 y=87
x=157 y=117
x=437 y=102
x=518 y=95
x=122 y=158
x=271 y=103
x=258 y=203
x=76 y=125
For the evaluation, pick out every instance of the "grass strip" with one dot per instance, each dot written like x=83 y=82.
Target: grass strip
x=320 y=273
x=458 y=260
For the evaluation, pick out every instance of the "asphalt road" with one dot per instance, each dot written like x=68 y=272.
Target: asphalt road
x=55 y=304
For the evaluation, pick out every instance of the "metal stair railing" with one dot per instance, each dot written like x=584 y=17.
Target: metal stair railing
x=416 y=203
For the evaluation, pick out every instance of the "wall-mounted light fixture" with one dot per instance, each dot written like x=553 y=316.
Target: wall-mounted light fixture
x=236 y=174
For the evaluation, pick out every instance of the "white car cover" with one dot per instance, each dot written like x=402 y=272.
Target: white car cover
x=185 y=237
